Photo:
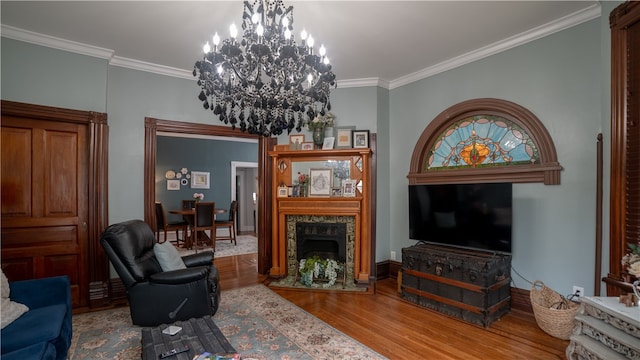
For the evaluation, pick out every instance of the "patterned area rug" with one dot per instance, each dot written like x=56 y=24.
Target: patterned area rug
x=259 y=324
x=246 y=244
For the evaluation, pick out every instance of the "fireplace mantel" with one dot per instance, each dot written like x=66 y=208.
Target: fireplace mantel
x=359 y=206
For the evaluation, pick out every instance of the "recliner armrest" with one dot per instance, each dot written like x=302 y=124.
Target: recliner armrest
x=199 y=259
x=177 y=277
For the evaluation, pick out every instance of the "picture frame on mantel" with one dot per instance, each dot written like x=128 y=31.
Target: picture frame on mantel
x=360 y=139
x=320 y=181
x=348 y=188
x=295 y=141
x=342 y=135
x=328 y=143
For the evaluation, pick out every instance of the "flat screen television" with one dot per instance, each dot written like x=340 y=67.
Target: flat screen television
x=477 y=216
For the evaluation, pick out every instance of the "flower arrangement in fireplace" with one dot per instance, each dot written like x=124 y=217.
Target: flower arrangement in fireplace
x=317 y=268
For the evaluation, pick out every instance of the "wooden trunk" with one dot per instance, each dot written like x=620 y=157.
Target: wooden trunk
x=473 y=286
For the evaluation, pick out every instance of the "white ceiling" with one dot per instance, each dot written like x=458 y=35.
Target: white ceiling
x=387 y=42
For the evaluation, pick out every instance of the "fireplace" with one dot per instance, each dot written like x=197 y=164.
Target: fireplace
x=327 y=236
x=325 y=240
x=354 y=212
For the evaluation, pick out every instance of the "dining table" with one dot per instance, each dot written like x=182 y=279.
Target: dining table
x=189 y=216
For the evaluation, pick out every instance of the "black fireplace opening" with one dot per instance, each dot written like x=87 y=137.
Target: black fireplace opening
x=325 y=240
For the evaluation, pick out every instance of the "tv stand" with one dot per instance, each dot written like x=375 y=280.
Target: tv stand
x=470 y=285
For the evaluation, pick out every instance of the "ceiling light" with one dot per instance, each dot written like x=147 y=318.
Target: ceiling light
x=265 y=83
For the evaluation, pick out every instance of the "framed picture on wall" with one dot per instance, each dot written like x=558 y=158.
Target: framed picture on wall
x=173 y=184
x=199 y=180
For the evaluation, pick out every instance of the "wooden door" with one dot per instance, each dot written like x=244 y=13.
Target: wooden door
x=44 y=201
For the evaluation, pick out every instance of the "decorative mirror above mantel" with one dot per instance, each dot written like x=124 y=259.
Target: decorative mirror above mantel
x=485 y=140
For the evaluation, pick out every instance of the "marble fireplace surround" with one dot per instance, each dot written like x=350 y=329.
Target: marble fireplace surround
x=292 y=256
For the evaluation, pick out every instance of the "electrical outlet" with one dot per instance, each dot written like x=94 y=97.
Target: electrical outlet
x=393 y=255
x=578 y=292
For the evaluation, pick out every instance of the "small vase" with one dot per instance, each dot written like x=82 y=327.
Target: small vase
x=303 y=190
x=318 y=136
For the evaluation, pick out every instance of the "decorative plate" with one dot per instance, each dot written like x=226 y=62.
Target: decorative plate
x=184 y=182
x=170 y=174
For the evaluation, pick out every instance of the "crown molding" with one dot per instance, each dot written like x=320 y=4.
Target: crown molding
x=152 y=68
x=566 y=22
x=54 y=42
x=363 y=83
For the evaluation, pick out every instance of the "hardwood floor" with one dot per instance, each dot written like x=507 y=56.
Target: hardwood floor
x=400 y=330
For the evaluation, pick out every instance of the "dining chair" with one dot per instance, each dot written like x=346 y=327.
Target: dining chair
x=188 y=204
x=204 y=219
x=229 y=223
x=163 y=225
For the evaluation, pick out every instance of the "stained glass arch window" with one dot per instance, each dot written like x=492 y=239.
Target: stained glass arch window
x=485 y=140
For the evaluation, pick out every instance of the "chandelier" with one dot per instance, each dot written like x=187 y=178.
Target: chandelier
x=265 y=83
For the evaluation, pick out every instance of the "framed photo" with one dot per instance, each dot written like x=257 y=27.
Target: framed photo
x=283 y=191
x=343 y=137
x=349 y=188
x=328 y=143
x=336 y=191
x=199 y=180
x=320 y=182
x=360 y=138
x=173 y=184
x=307 y=145
x=295 y=141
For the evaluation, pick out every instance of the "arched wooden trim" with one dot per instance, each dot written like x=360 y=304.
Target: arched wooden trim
x=547 y=171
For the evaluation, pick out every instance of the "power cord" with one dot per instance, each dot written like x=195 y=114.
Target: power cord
x=575 y=295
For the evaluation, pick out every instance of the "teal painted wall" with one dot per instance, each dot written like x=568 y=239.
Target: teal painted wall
x=44 y=76
x=562 y=78
x=132 y=96
x=559 y=79
x=206 y=155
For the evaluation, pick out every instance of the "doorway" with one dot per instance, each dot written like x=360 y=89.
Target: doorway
x=244 y=189
x=154 y=126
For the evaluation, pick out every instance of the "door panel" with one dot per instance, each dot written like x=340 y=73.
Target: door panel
x=44 y=201
x=16 y=166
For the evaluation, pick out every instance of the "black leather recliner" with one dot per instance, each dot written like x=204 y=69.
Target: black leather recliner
x=157 y=297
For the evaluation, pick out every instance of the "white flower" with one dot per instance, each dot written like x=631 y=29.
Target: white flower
x=184 y=171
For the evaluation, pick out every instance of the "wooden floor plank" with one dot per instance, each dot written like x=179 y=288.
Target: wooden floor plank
x=401 y=330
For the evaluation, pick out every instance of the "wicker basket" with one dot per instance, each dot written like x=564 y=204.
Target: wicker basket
x=554 y=314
